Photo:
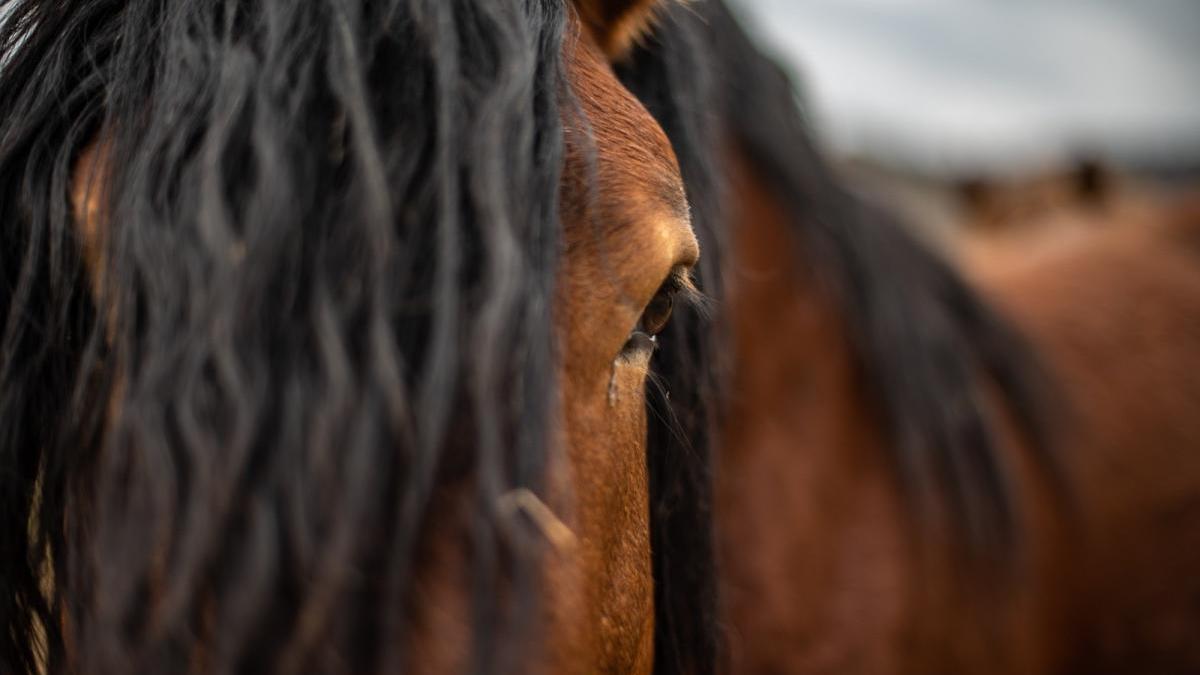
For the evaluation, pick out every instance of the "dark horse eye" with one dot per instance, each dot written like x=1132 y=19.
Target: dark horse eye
x=658 y=312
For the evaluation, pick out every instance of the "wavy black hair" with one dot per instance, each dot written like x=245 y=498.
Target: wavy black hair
x=329 y=237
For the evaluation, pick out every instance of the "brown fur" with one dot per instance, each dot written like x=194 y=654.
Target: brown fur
x=626 y=228
x=1117 y=315
x=622 y=239
x=812 y=551
x=822 y=571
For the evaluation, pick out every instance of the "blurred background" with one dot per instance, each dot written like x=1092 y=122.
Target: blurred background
x=998 y=115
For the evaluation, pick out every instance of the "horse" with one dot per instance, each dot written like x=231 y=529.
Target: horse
x=921 y=468
x=1005 y=221
x=997 y=205
x=327 y=329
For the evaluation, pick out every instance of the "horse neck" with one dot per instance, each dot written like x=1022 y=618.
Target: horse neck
x=1114 y=313
x=815 y=542
x=802 y=501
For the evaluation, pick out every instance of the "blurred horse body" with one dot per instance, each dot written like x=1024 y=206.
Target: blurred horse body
x=1115 y=316
x=1104 y=579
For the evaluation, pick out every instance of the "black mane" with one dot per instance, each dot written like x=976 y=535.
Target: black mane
x=331 y=236
x=930 y=351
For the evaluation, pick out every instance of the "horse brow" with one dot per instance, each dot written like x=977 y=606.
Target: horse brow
x=687 y=293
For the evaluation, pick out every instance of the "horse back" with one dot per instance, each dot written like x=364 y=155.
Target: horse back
x=1116 y=318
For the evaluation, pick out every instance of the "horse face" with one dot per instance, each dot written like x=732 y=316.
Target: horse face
x=628 y=245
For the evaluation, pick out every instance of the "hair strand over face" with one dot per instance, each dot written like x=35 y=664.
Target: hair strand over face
x=329 y=241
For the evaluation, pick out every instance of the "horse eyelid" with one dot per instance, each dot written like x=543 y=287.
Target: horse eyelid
x=680 y=291
x=682 y=286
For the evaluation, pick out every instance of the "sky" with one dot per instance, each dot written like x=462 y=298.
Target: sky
x=950 y=84
x=954 y=84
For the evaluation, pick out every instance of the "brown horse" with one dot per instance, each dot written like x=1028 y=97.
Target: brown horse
x=1023 y=217
x=904 y=484
x=1106 y=587
x=996 y=205
x=326 y=331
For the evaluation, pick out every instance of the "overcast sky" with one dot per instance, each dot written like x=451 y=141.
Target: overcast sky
x=947 y=83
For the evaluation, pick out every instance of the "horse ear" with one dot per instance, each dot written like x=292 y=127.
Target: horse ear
x=616 y=25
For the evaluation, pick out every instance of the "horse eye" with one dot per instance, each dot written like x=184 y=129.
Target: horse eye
x=658 y=312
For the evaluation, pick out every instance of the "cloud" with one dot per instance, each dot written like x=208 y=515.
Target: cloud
x=978 y=81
